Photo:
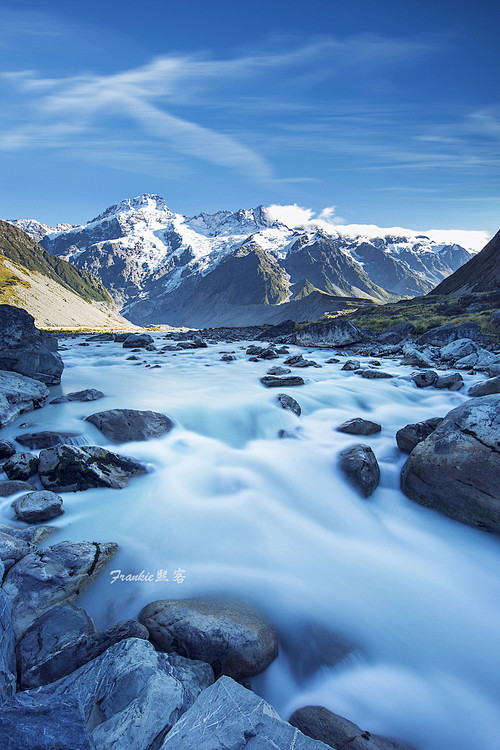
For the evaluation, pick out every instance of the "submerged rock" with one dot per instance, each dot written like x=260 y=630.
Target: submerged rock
x=12 y=487
x=270 y=381
x=359 y=426
x=67 y=468
x=37 y=507
x=89 y=394
x=46 y=439
x=26 y=350
x=19 y=394
x=455 y=470
x=289 y=403
x=125 y=425
x=232 y=637
x=359 y=464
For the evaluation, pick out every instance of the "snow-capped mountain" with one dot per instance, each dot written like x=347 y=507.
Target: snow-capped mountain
x=243 y=266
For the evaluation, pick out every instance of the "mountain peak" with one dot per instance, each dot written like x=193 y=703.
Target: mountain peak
x=243 y=221
x=132 y=205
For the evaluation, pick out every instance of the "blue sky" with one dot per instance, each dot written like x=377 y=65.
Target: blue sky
x=383 y=112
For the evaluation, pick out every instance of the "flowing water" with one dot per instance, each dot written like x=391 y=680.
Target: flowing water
x=228 y=507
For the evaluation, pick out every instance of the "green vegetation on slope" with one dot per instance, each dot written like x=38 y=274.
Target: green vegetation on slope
x=8 y=282
x=20 y=248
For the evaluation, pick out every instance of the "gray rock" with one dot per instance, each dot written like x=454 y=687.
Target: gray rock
x=55 y=575
x=278 y=370
x=37 y=440
x=338 y=332
x=425 y=378
x=495 y=319
x=444 y=335
x=26 y=350
x=227 y=715
x=130 y=696
x=359 y=464
x=458 y=349
x=455 y=470
x=359 y=426
x=33 y=722
x=415 y=357
x=268 y=353
x=38 y=507
x=12 y=550
x=139 y=340
x=270 y=381
x=7 y=654
x=9 y=487
x=124 y=425
x=31 y=535
x=19 y=394
x=6 y=449
x=374 y=374
x=452 y=382
x=485 y=387
x=335 y=731
x=89 y=394
x=227 y=358
x=67 y=468
x=332 y=361
x=289 y=403
x=21 y=466
x=232 y=637
x=351 y=364
x=413 y=434
x=293 y=360
x=396 y=333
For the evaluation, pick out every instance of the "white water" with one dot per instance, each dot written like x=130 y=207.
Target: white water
x=273 y=522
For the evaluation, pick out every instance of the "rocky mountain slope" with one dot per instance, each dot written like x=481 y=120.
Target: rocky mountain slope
x=480 y=274
x=242 y=267
x=54 y=291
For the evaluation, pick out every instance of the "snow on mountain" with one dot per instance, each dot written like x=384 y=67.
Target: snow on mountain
x=144 y=252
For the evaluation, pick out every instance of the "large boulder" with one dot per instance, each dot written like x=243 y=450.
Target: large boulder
x=125 y=425
x=227 y=715
x=19 y=394
x=46 y=578
x=25 y=349
x=361 y=468
x=7 y=654
x=338 y=332
x=129 y=697
x=137 y=341
x=455 y=470
x=68 y=468
x=444 y=335
x=232 y=637
x=321 y=724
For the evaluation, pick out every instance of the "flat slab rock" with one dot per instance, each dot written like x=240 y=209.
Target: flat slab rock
x=232 y=637
x=125 y=425
x=46 y=439
x=227 y=715
x=270 y=381
x=19 y=394
x=455 y=469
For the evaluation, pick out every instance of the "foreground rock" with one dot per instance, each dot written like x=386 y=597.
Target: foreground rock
x=270 y=381
x=7 y=654
x=38 y=507
x=321 y=724
x=45 y=578
x=7 y=449
x=26 y=350
x=19 y=394
x=129 y=697
x=12 y=550
x=232 y=637
x=338 y=332
x=455 y=470
x=360 y=466
x=32 y=535
x=412 y=434
x=227 y=715
x=21 y=466
x=359 y=426
x=67 y=468
x=485 y=387
x=125 y=425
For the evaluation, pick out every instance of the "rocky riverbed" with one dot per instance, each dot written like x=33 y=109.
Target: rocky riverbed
x=197 y=499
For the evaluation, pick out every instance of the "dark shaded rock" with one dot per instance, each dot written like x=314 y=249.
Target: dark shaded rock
x=289 y=403
x=46 y=578
x=119 y=338
x=67 y=468
x=270 y=381
x=31 y=535
x=7 y=449
x=455 y=470
x=321 y=724
x=12 y=487
x=124 y=425
x=359 y=426
x=314 y=647
x=278 y=370
x=293 y=359
x=413 y=434
x=33 y=722
x=396 y=333
x=227 y=358
x=130 y=696
x=232 y=637
x=19 y=394
x=21 y=466
x=278 y=330
x=287 y=435
x=137 y=340
x=7 y=654
x=46 y=439
x=338 y=332
x=38 y=507
x=485 y=387
x=332 y=361
x=351 y=364
x=26 y=350
x=452 y=382
x=425 y=378
x=89 y=394
x=268 y=353
x=359 y=464
x=237 y=718
x=495 y=319
x=444 y=335
x=375 y=374
x=12 y=550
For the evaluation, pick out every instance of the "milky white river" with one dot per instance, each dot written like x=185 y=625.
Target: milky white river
x=234 y=509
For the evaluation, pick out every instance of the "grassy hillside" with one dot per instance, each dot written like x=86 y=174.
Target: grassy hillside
x=20 y=248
